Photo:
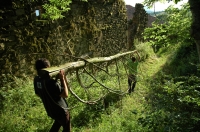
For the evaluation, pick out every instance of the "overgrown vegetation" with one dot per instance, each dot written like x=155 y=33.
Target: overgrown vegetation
x=174 y=96
x=54 y=9
x=166 y=98
x=174 y=30
x=21 y=104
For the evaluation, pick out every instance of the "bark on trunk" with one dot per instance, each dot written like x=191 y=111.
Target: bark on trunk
x=52 y=71
x=195 y=28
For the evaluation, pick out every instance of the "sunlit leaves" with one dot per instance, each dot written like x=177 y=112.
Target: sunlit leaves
x=174 y=30
x=55 y=8
x=150 y=3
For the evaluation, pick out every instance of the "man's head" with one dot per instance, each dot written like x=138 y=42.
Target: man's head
x=41 y=63
x=133 y=58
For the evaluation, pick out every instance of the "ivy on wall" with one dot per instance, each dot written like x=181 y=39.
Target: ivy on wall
x=88 y=27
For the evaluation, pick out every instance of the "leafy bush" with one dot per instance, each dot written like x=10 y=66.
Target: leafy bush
x=55 y=8
x=144 y=50
x=175 y=104
x=183 y=60
x=175 y=29
x=21 y=109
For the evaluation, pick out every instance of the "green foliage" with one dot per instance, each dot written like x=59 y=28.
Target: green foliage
x=55 y=8
x=145 y=50
x=163 y=100
x=174 y=92
x=150 y=3
x=176 y=28
x=21 y=110
x=175 y=104
x=184 y=61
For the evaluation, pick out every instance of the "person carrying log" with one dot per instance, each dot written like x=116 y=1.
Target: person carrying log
x=53 y=94
x=132 y=72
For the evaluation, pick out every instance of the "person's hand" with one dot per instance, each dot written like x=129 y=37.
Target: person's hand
x=61 y=74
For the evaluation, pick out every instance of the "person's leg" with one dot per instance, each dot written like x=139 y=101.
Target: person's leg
x=133 y=86
x=129 y=84
x=66 y=123
x=55 y=127
x=133 y=83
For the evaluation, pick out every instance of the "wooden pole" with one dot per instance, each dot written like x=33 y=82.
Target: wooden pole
x=52 y=71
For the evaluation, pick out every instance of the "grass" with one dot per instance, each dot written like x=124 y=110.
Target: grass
x=21 y=110
x=125 y=117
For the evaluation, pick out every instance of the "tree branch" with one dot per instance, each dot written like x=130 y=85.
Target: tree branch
x=52 y=71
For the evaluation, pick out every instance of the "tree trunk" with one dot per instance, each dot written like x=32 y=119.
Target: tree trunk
x=195 y=28
x=52 y=71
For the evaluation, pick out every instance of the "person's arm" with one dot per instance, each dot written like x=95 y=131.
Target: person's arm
x=138 y=55
x=64 y=84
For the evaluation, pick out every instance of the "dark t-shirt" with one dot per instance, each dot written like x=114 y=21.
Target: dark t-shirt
x=49 y=91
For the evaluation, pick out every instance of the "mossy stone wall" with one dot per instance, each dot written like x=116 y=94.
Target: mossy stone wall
x=98 y=27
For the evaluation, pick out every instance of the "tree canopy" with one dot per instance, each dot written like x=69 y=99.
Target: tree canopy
x=151 y=2
x=174 y=30
x=195 y=26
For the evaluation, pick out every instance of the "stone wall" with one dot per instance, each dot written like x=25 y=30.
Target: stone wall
x=98 y=27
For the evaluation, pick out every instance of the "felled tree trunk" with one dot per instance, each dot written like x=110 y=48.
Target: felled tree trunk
x=195 y=28
x=52 y=71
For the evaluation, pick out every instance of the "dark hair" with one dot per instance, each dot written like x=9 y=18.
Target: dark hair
x=42 y=63
x=133 y=59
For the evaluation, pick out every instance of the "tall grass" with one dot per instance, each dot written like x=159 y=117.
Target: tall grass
x=22 y=110
x=173 y=97
x=160 y=101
